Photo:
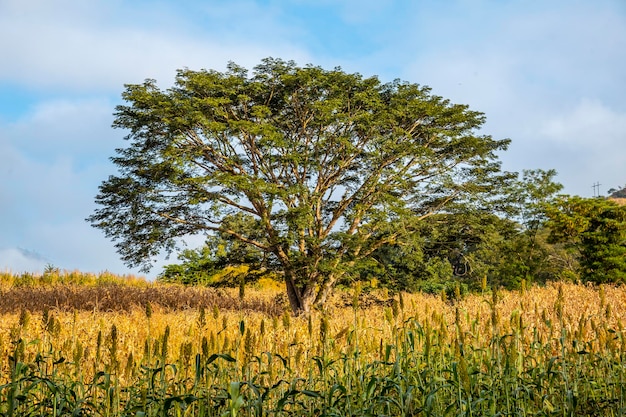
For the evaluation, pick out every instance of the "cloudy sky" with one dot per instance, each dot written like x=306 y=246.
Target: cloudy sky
x=549 y=74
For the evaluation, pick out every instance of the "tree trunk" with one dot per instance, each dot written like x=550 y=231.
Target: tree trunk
x=301 y=298
x=325 y=288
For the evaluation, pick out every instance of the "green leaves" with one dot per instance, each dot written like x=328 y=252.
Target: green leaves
x=596 y=230
x=319 y=159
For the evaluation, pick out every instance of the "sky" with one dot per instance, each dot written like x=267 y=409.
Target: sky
x=548 y=74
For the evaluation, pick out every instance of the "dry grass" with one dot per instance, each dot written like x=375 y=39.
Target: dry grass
x=504 y=341
x=74 y=291
x=584 y=312
x=120 y=298
x=620 y=201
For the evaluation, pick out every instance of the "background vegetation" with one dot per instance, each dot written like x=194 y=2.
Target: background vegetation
x=540 y=237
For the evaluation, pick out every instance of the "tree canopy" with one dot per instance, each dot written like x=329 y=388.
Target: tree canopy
x=321 y=168
x=595 y=228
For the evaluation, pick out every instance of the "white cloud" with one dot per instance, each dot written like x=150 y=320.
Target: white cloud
x=589 y=141
x=532 y=54
x=74 y=244
x=78 y=48
x=66 y=127
x=17 y=260
x=55 y=158
x=44 y=204
x=52 y=161
x=531 y=66
x=589 y=125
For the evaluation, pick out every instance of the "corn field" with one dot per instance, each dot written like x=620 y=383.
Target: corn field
x=557 y=350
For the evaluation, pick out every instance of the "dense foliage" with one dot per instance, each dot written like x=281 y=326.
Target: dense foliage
x=596 y=230
x=317 y=169
x=502 y=243
x=532 y=236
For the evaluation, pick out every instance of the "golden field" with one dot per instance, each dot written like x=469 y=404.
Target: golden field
x=129 y=347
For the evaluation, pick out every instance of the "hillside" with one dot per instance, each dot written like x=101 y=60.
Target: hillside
x=620 y=201
x=617 y=193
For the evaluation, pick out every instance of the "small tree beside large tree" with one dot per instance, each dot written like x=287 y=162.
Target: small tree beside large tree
x=325 y=167
x=595 y=229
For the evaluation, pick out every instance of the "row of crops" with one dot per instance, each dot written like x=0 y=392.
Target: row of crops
x=553 y=351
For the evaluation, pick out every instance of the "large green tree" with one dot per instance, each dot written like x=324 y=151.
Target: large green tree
x=595 y=229
x=330 y=166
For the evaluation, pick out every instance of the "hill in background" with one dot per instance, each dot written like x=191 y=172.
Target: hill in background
x=618 y=195
x=619 y=192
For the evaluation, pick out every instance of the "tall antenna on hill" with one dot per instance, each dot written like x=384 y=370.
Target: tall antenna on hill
x=596 y=189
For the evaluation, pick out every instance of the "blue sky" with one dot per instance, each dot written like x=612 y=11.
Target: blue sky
x=549 y=74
